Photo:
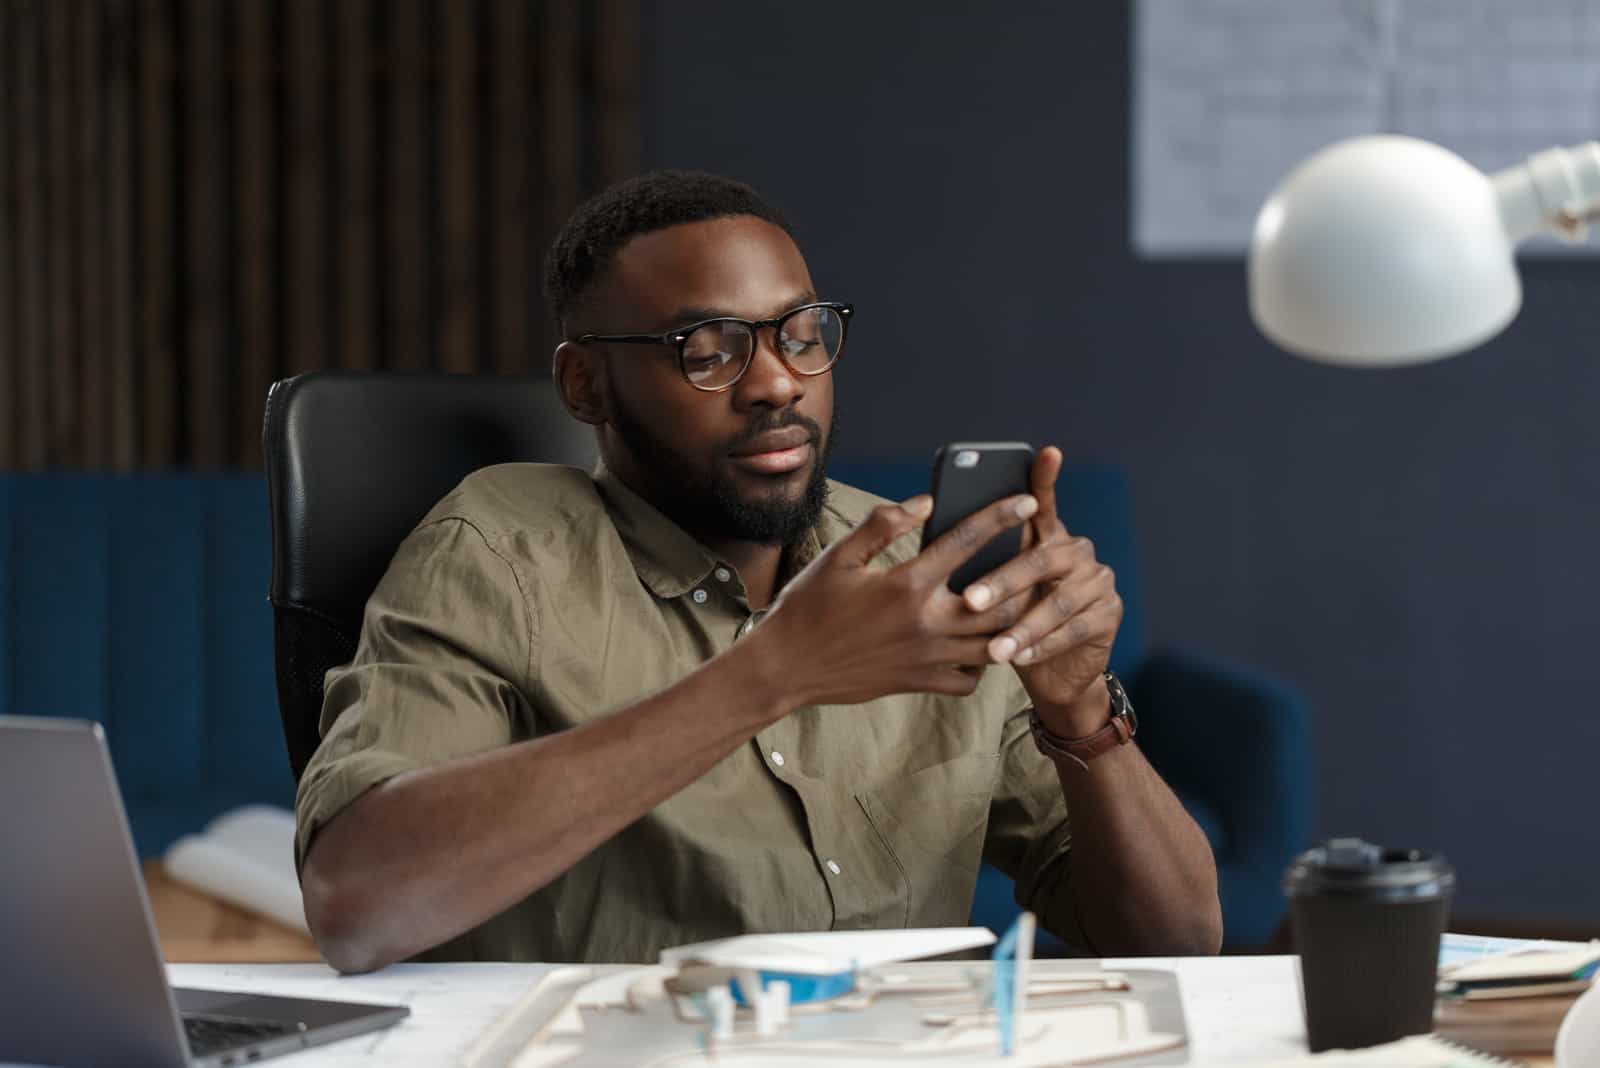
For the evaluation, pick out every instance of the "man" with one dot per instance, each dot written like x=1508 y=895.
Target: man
x=706 y=691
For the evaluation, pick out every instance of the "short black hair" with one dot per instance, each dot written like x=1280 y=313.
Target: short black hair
x=596 y=232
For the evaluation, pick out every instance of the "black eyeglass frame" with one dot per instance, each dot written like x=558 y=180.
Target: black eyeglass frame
x=680 y=338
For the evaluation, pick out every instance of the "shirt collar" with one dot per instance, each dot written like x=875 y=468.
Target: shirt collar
x=670 y=561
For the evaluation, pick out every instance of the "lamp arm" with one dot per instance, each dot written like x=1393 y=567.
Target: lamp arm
x=1555 y=191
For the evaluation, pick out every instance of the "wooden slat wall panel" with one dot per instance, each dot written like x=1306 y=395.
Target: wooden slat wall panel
x=156 y=270
x=255 y=255
x=116 y=256
x=409 y=340
x=89 y=187
x=61 y=435
x=10 y=363
x=205 y=205
x=617 y=90
x=198 y=197
x=560 y=98
x=357 y=148
x=305 y=161
x=457 y=146
x=513 y=282
x=30 y=411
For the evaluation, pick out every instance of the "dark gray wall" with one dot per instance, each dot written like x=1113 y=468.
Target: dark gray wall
x=1411 y=548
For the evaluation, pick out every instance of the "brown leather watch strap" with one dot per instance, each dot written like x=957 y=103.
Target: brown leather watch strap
x=1119 y=731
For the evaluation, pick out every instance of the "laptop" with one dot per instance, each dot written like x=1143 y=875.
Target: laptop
x=82 y=981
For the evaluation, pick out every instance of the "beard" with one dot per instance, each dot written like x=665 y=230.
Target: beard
x=708 y=501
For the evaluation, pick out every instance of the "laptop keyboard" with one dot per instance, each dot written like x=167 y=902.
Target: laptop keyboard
x=214 y=1034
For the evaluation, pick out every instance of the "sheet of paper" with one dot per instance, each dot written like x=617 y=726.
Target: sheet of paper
x=451 y=1004
x=1228 y=95
x=830 y=952
x=1552 y=964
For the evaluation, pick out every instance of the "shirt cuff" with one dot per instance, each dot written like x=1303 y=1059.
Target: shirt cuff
x=326 y=791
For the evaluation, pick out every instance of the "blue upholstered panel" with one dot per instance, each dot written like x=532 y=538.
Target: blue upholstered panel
x=140 y=601
x=159 y=648
x=241 y=693
x=6 y=602
x=59 y=562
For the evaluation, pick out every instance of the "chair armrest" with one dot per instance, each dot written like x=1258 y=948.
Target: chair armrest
x=1236 y=740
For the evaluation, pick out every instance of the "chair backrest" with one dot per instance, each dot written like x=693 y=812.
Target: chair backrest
x=354 y=460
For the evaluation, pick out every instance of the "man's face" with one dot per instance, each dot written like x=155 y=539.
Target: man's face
x=747 y=463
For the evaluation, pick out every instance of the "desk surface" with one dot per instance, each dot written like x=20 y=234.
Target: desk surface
x=1240 y=1009
x=195 y=927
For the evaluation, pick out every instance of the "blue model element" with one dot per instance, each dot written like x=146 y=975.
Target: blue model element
x=803 y=988
x=1003 y=991
x=1233 y=744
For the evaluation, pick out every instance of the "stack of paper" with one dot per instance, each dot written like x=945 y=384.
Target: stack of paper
x=246 y=858
x=1513 y=1003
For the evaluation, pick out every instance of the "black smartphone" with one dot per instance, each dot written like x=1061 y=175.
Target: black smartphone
x=968 y=476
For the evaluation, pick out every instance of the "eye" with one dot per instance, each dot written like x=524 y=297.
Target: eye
x=698 y=367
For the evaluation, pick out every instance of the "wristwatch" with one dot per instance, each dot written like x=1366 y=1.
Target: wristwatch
x=1123 y=726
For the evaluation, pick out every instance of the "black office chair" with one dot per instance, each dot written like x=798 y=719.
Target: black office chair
x=354 y=461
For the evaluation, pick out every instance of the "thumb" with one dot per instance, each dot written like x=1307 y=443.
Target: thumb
x=885 y=523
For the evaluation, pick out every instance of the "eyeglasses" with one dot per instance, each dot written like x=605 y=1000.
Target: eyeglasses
x=715 y=353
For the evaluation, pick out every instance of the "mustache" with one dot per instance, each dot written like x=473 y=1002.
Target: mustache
x=777 y=421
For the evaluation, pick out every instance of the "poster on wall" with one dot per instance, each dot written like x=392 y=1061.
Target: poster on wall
x=1228 y=95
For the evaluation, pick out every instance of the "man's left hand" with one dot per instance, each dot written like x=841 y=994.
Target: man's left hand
x=1068 y=612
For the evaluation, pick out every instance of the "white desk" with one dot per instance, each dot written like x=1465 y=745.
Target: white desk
x=1239 y=1008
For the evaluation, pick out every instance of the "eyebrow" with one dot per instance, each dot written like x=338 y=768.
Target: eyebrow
x=688 y=316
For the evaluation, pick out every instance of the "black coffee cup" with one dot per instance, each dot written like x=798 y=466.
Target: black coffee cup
x=1367 y=922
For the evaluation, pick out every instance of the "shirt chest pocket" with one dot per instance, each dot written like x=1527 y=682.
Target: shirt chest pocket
x=933 y=820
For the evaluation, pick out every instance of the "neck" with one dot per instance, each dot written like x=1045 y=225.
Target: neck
x=758 y=563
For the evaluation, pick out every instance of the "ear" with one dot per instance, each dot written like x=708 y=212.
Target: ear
x=580 y=379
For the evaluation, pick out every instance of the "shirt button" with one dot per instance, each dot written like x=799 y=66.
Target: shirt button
x=777 y=758
x=833 y=867
x=723 y=574
x=699 y=596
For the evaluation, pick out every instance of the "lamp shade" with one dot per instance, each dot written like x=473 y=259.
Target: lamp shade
x=1381 y=251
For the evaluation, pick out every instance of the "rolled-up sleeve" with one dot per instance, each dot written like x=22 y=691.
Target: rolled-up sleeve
x=1030 y=836
x=441 y=672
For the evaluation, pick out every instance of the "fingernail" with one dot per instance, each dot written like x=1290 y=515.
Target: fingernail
x=1002 y=648
x=1025 y=656
x=919 y=506
x=978 y=596
x=1026 y=507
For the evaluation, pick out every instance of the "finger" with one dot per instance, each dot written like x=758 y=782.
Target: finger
x=957 y=545
x=992 y=620
x=883 y=525
x=1097 y=623
x=1058 y=608
x=1054 y=559
x=970 y=651
x=1046 y=469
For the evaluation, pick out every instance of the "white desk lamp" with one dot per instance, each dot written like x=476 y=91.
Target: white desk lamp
x=1382 y=251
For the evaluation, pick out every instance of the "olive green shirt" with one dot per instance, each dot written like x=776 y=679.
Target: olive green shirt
x=535 y=598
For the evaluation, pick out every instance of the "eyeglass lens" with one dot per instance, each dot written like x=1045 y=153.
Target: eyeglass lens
x=808 y=340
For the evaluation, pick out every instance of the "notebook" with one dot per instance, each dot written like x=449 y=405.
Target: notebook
x=1419 y=1051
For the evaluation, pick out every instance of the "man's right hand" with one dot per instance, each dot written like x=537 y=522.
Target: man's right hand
x=845 y=632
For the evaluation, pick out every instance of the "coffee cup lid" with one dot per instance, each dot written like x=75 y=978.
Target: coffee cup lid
x=1356 y=868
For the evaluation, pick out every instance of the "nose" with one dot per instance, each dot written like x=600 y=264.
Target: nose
x=767 y=382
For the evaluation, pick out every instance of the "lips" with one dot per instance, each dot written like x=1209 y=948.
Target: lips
x=789 y=437
x=775 y=452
